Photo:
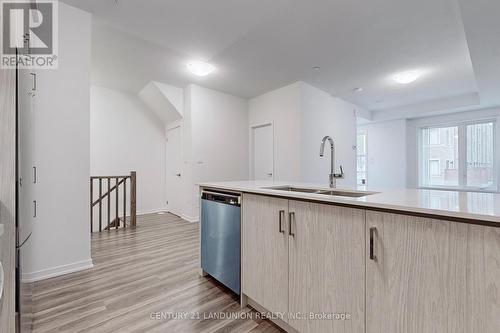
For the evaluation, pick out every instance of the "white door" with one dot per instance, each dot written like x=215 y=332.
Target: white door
x=173 y=168
x=262 y=151
x=27 y=167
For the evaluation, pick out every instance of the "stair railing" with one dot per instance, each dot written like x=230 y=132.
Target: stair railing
x=115 y=185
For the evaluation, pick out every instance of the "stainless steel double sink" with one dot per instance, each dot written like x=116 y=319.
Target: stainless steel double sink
x=332 y=192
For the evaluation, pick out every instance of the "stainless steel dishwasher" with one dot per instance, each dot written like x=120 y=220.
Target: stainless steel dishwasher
x=220 y=237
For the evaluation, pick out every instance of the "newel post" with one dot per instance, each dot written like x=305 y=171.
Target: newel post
x=133 y=200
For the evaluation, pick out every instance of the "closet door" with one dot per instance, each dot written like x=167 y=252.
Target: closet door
x=7 y=197
x=26 y=153
x=28 y=205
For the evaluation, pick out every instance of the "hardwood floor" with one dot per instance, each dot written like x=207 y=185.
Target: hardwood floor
x=141 y=279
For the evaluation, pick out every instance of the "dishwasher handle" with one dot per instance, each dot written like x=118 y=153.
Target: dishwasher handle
x=222 y=197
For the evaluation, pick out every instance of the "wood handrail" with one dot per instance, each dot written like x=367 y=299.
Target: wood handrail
x=119 y=181
x=110 y=177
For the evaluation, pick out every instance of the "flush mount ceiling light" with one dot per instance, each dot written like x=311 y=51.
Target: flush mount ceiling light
x=200 y=68
x=358 y=89
x=407 y=76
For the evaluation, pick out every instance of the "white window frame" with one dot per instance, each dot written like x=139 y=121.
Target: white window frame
x=462 y=155
x=365 y=133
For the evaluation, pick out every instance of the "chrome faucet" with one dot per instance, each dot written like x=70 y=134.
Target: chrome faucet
x=333 y=175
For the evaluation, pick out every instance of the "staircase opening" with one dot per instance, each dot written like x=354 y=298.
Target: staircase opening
x=113 y=202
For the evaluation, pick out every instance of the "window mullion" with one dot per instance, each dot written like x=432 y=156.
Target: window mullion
x=462 y=156
x=496 y=155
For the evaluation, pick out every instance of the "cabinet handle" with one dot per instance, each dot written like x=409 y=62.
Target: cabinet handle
x=281 y=215
x=34 y=175
x=34 y=81
x=373 y=231
x=34 y=208
x=291 y=217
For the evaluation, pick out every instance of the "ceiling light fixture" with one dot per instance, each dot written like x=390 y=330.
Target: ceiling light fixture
x=407 y=76
x=358 y=89
x=316 y=68
x=200 y=68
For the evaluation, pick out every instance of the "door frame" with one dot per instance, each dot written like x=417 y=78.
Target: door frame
x=251 y=148
x=170 y=127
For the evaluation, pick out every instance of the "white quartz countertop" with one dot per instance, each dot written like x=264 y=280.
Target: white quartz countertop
x=483 y=207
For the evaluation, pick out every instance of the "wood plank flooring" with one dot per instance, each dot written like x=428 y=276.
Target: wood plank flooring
x=141 y=280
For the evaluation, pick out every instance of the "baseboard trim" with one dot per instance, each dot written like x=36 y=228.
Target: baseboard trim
x=191 y=219
x=151 y=211
x=57 y=271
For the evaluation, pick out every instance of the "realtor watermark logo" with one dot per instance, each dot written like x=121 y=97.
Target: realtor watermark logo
x=30 y=30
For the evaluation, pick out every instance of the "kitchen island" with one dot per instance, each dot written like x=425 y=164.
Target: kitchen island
x=406 y=260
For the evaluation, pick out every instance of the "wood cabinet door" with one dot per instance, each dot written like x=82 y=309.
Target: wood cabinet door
x=417 y=280
x=482 y=297
x=264 y=257
x=327 y=268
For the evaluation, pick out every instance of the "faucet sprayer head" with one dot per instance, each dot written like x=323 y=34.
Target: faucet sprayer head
x=322 y=147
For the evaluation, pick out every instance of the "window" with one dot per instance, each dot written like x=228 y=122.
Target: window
x=434 y=136
x=462 y=156
x=361 y=153
x=434 y=155
x=434 y=168
x=450 y=164
x=480 y=154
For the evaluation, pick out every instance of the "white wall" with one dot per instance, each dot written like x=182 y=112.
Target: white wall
x=219 y=135
x=174 y=95
x=323 y=114
x=188 y=186
x=282 y=108
x=126 y=135
x=215 y=142
x=164 y=100
x=61 y=237
x=302 y=115
x=386 y=154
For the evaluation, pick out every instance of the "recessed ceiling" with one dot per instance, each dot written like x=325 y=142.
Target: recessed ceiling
x=258 y=46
